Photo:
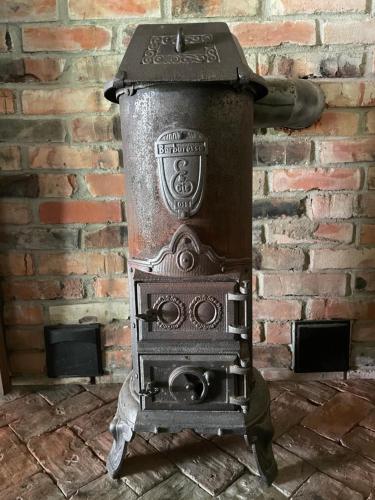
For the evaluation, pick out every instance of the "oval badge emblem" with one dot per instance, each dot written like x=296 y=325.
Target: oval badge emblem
x=181 y=155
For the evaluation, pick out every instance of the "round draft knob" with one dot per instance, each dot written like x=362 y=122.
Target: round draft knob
x=189 y=385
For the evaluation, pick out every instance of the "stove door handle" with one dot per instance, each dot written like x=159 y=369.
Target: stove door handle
x=150 y=316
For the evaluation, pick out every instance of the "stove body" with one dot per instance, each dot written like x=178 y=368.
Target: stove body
x=187 y=106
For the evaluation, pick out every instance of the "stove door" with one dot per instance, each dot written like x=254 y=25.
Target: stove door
x=185 y=311
x=188 y=382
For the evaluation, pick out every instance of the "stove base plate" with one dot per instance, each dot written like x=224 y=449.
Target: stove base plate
x=255 y=426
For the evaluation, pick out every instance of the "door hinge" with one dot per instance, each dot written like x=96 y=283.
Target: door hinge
x=243 y=300
x=243 y=399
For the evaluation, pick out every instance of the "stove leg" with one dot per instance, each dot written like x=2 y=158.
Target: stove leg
x=122 y=435
x=259 y=438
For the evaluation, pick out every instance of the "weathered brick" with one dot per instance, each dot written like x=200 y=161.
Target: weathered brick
x=275 y=207
x=361 y=441
x=95 y=9
x=63 y=100
x=362 y=355
x=116 y=333
x=335 y=123
x=259 y=178
x=42 y=289
x=361 y=32
x=277 y=310
x=319 y=484
x=278 y=333
x=19 y=186
x=367 y=235
x=15 y=212
x=287 y=230
x=330 y=206
x=340 y=309
x=106 y=487
x=94 y=68
x=7 y=102
x=371 y=178
x=106 y=184
x=22 y=314
x=16 y=264
x=31 y=69
x=283 y=7
x=370 y=121
x=214 y=8
x=335 y=232
x=365 y=281
x=281 y=258
x=275 y=33
x=21 y=130
x=250 y=486
x=348 y=150
x=366 y=205
x=5 y=40
x=19 y=10
x=363 y=331
x=10 y=158
x=79 y=211
x=111 y=287
x=21 y=338
x=282 y=152
x=106 y=237
x=104 y=312
x=287 y=410
x=318 y=178
x=177 y=484
x=80 y=263
x=314 y=391
x=335 y=258
x=66 y=38
x=105 y=392
x=37 y=486
x=56 y=185
x=117 y=360
x=36 y=238
x=303 y=284
x=94 y=129
x=349 y=94
x=61 y=156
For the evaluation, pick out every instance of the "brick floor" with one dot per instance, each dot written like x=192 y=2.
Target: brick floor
x=54 y=442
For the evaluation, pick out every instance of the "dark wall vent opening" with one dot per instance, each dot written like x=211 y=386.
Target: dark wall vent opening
x=321 y=346
x=73 y=350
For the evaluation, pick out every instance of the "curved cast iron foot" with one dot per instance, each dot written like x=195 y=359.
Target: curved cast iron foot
x=260 y=440
x=122 y=434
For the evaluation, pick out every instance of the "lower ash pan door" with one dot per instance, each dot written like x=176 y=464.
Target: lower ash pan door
x=187 y=382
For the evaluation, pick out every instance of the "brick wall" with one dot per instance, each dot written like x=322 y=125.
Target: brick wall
x=63 y=231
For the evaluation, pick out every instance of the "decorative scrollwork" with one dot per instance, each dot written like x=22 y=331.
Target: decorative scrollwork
x=169 y=305
x=205 y=312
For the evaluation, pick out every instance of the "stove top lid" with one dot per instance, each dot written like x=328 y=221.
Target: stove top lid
x=184 y=53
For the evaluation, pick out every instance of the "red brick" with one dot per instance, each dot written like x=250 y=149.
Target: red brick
x=303 y=284
x=10 y=158
x=365 y=281
x=94 y=68
x=80 y=263
x=52 y=156
x=43 y=289
x=214 y=8
x=275 y=33
x=277 y=310
x=16 y=264
x=116 y=333
x=14 y=212
x=343 y=151
x=111 y=287
x=114 y=360
x=93 y=129
x=19 y=10
x=349 y=93
x=371 y=178
x=367 y=205
x=257 y=332
x=318 y=178
x=55 y=185
x=336 y=258
x=360 y=32
x=340 y=309
x=281 y=258
x=330 y=206
x=363 y=331
x=335 y=232
x=7 y=99
x=370 y=121
x=367 y=236
x=107 y=237
x=23 y=338
x=63 y=100
x=37 y=486
x=79 y=211
x=106 y=184
x=26 y=363
x=278 y=333
x=336 y=123
x=113 y=9
x=47 y=69
x=64 y=38
x=283 y=7
x=287 y=410
x=23 y=314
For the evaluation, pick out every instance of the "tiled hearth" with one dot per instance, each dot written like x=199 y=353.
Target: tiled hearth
x=54 y=441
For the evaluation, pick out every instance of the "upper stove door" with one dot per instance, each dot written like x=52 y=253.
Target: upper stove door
x=185 y=311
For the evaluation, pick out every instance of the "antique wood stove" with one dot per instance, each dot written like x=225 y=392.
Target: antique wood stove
x=187 y=104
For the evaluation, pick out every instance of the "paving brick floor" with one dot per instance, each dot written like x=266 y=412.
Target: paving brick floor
x=54 y=442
